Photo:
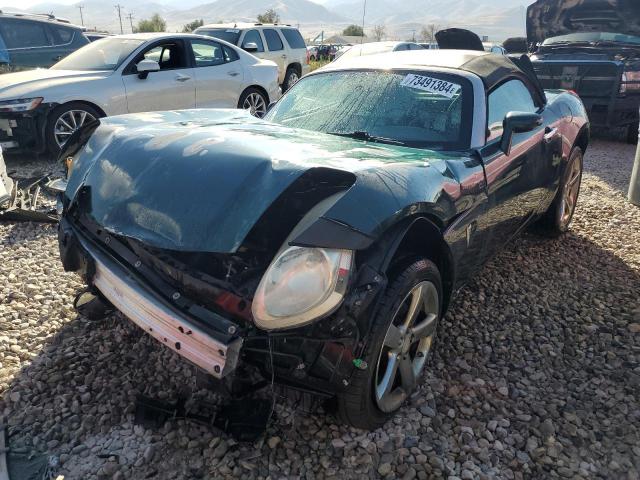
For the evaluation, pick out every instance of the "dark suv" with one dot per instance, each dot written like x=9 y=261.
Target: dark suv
x=36 y=41
x=593 y=48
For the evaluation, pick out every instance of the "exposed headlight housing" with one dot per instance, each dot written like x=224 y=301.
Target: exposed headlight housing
x=20 y=104
x=301 y=285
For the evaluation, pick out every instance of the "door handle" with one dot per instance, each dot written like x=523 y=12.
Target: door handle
x=233 y=74
x=284 y=56
x=550 y=133
x=182 y=78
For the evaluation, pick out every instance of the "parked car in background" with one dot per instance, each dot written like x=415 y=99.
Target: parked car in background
x=146 y=72
x=430 y=45
x=312 y=52
x=36 y=41
x=281 y=44
x=373 y=48
x=592 y=47
x=322 y=246
x=330 y=51
x=493 y=47
x=93 y=36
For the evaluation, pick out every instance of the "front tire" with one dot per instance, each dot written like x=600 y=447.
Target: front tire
x=64 y=120
x=558 y=217
x=397 y=349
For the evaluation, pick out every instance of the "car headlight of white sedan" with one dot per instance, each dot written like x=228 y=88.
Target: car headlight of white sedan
x=301 y=285
x=20 y=104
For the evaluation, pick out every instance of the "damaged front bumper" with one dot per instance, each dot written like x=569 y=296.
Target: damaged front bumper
x=215 y=353
x=24 y=131
x=319 y=358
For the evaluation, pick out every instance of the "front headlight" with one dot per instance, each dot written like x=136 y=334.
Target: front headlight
x=20 y=104
x=301 y=285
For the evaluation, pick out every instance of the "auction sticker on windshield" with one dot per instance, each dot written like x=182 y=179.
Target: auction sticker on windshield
x=430 y=84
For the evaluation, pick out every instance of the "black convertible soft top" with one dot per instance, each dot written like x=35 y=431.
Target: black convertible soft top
x=493 y=69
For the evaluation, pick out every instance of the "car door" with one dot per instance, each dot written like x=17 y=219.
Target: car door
x=28 y=43
x=218 y=74
x=275 y=51
x=514 y=182
x=173 y=87
x=65 y=41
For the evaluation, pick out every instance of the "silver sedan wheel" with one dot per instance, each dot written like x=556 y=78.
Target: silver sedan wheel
x=69 y=122
x=570 y=191
x=256 y=105
x=406 y=346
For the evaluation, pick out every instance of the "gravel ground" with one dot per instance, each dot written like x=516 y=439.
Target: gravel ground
x=536 y=372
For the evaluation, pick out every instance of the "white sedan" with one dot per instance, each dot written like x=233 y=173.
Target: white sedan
x=40 y=109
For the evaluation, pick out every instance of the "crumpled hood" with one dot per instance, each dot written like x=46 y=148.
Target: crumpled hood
x=198 y=180
x=551 y=18
x=35 y=81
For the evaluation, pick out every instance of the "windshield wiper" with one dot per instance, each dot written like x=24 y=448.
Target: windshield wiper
x=366 y=136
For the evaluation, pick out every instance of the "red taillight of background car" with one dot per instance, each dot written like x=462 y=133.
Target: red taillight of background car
x=630 y=82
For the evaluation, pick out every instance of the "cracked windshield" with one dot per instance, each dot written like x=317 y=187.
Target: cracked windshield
x=423 y=111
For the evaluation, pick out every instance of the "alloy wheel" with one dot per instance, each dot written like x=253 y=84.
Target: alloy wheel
x=256 y=105
x=69 y=122
x=406 y=346
x=570 y=191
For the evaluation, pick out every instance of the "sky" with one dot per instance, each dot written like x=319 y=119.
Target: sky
x=29 y=3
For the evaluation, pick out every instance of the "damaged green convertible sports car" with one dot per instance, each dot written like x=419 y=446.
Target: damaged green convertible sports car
x=322 y=244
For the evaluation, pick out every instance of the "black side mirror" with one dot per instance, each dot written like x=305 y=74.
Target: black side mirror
x=517 y=122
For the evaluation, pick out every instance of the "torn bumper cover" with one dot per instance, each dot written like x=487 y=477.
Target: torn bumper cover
x=215 y=354
x=24 y=131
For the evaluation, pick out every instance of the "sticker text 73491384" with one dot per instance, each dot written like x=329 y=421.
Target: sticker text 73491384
x=430 y=84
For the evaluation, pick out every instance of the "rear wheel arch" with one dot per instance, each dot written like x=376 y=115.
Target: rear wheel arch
x=297 y=66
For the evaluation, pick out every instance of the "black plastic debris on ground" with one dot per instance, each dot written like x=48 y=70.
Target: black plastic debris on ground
x=21 y=198
x=245 y=420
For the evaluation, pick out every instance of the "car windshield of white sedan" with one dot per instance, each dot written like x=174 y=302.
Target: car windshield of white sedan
x=105 y=54
x=417 y=109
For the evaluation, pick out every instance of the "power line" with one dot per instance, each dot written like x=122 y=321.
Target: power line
x=119 y=8
x=130 y=17
x=80 y=7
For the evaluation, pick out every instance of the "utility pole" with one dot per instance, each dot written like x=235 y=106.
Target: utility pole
x=130 y=17
x=80 y=7
x=364 y=12
x=119 y=8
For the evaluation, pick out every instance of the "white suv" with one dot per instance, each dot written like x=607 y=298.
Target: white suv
x=282 y=44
